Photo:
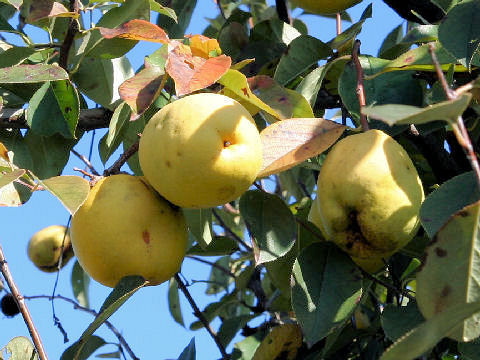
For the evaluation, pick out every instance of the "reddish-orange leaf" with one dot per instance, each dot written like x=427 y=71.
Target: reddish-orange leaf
x=41 y=9
x=141 y=90
x=204 y=47
x=192 y=73
x=289 y=142
x=136 y=29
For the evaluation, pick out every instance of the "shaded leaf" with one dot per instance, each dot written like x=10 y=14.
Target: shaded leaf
x=219 y=280
x=189 y=353
x=80 y=282
x=290 y=142
x=41 y=9
x=449 y=198
x=231 y=326
x=174 y=302
x=421 y=339
x=303 y=52
x=327 y=287
x=283 y=341
x=176 y=27
x=10 y=177
x=459 y=33
x=92 y=344
x=470 y=350
x=15 y=55
x=136 y=29
x=192 y=73
x=220 y=245
x=71 y=190
x=32 y=74
x=397 y=114
x=449 y=273
x=199 y=222
x=270 y=222
x=398 y=320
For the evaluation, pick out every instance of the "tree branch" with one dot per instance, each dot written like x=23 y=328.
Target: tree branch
x=89 y=119
x=69 y=37
x=215 y=265
x=77 y=306
x=229 y=231
x=115 y=168
x=360 y=87
x=37 y=341
x=282 y=11
x=198 y=313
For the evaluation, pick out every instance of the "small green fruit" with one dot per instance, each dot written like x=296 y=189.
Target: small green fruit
x=368 y=198
x=45 y=246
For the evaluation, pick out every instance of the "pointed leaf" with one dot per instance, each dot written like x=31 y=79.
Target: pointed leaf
x=80 y=282
x=219 y=280
x=450 y=274
x=14 y=195
x=32 y=74
x=220 y=245
x=283 y=340
x=71 y=190
x=289 y=142
x=398 y=320
x=230 y=327
x=199 y=222
x=155 y=6
x=174 y=302
x=136 y=29
x=192 y=73
x=189 y=353
x=270 y=222
x=449 y=198
x=460 y=32
x=42 y=9
x=418 y=341
x=88 y=348
x=10 y=177
x=327 y=287
x=406 y=114
x=236 y=82
x=176 y=27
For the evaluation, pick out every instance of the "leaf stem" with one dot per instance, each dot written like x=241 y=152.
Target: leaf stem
x=360 y=87
x=229 y=231
x=86 y=162
x=37 y=341
x=197 y=312
x=339 y=23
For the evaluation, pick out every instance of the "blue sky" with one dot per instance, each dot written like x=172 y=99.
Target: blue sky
x=144 y=320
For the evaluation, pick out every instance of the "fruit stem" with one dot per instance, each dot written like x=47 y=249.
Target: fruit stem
x=339 y=24
x=198 y=313
x=115 y=168
x=360 y=87
x=458 y=126
x=37 y=341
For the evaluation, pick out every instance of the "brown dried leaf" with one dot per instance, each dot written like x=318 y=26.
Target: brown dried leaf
x=41 y=9
x=192 y=73
x=289 y=142
x=136 y=29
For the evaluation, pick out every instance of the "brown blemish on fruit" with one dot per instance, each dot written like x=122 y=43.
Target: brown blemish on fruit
x=446 y=291
x=179 y=153
x=440 y=252
x=168 y=163
x=146 y=237
x=245 y=92
x=226 y=143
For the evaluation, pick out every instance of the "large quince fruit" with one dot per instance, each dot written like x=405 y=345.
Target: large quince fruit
x=201 y=151
x=368 y=198
x=325 y=6
x=45 y=248
x=125 y=228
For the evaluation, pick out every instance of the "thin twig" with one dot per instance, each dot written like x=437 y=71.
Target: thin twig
x=77 y=306
x=387 y=285
x=215 y=265
x=360 y=87
x=69 y=36
x=339 y=23
x=200 y=316
x=230 y=232
x=115 y=168
x=220 y=8
x=458 y=126
x=85 y=161
x=37 y=341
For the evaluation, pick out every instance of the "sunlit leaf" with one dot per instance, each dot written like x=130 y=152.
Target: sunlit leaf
x=32 y=74
x=71 y=190
x=9 y=177
x=41 y=9
x=283 y=340
x=199 y=222
x=80 y=282
x=204 y=47
x=21 y=348
x=136 y=29
x=290 y=142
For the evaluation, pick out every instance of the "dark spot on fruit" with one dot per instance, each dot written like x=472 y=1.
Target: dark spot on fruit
x=168 y=163
x=9 y=305
x=146 y=236
x=179 y=153
x=440 y=252
x=446 y=291
x=226 y=143
x=282 y=100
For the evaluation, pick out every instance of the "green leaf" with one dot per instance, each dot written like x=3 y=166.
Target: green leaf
x=327 y=287
x=459 y=33
x=393 y=46
x=346 y=37
x=54 y=108
x=214 y=309
x=421 y=339
x=15 y=55
x=155 y=6
x=231 y=326
x=245 y=349
x=99 y=79
x=10 y=177
x=21 y=348
x=303 y=52
x=405 y=114
x=71 y=190
x=449 y=198
x=219 y=280
x=184 y=10
x=32 y=74
x=84 y=351
x=220 y=245
x=398 y=320
x=270 y=222
x=111 y=141
x=393 y=88
x=174 y=302
x=449 y=273
x=126 y=287
x=470 y=350
x=189 y=352
x=312 y=83
x=199 y=222
x=80 y=282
